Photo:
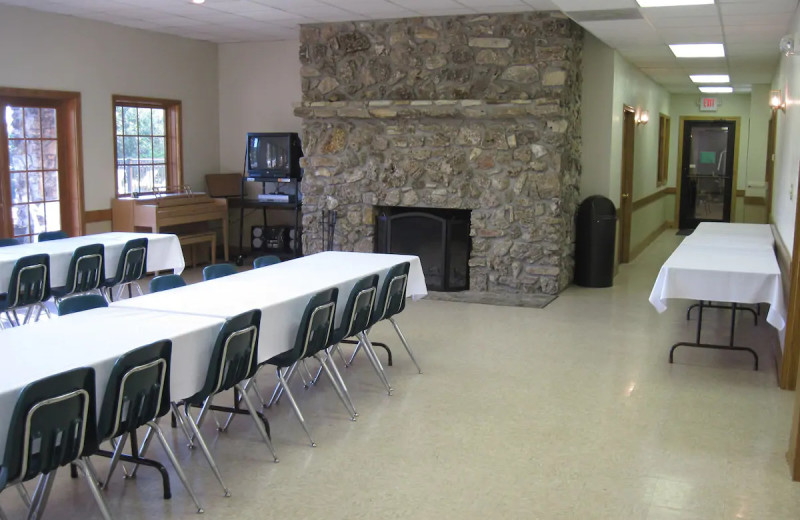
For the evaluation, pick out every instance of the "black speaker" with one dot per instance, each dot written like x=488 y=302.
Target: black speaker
x=263 y=238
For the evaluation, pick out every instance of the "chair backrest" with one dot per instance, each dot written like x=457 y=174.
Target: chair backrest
x=80 y=302
x=137 y=391
x=166 y=281
x=9 y=242
x=316 y=324
x=264 y=261
x=132 y=263
x=86 y=269
x=392 y=298
x=235 y=354
x=357 y=310
x=52 y=235
x=53 y=424
x=218 y=271
x=30 y=281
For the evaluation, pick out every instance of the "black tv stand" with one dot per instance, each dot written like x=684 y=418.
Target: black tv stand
x=294 y=204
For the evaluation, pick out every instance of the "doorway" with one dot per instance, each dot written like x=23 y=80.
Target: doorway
x=41 y=183
x=626 y=184
x=707 y=183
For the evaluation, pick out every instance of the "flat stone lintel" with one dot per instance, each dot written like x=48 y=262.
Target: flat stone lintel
x=440 y=108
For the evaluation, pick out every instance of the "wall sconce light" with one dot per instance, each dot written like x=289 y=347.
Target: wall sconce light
x=776 y=101
x=642 y=117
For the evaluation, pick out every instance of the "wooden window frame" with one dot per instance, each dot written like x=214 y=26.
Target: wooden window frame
x=70 y=156
x=172 y=125
x=663 y=150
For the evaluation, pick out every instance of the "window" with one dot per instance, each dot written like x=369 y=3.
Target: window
x=147 y=144
x=663 y=149
x=41 y=181
x=33 y=170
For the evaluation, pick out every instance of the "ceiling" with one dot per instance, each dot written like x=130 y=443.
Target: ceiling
x=750 y=29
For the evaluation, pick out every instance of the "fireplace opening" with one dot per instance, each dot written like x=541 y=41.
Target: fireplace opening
x=439 y=237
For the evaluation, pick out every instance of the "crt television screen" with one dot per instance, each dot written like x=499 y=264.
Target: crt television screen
x=266 y=153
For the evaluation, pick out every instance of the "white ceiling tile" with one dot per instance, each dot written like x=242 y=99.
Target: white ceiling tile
x=759 y=7
x=542 y=5
x=698 y=22
x=655 y=13
x=594 y=5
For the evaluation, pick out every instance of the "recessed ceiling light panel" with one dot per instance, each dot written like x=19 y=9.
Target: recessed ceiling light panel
x=710 y=78
x=716 y=90
x=672 y=3
x=698 y=50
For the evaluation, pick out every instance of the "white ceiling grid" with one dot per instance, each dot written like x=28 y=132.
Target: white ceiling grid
x=750 y=29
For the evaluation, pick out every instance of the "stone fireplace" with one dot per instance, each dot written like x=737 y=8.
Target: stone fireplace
x=478 y=113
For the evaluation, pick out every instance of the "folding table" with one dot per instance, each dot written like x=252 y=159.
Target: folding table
x=726 y=263
x=163 y=253
x=281 y=291
x=96 y=338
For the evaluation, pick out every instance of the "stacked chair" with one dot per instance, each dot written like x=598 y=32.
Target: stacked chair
x=166 y=282
x=28 y=286
x=211 y=272
x=85 y=273
x=392 y=301
x=53 y=425
x=52 y=235
x=234 y=360
x=131 y=268
x=137 y=394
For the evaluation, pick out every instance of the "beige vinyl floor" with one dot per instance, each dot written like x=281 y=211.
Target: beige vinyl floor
x=567 y=412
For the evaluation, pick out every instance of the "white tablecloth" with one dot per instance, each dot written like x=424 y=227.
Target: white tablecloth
x=740 y=271
x=722 y=234
x=96 y=338
x=281 y=291
x=163 y=253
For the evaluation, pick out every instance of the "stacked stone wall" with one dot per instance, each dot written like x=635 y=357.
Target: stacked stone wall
x=470 y=112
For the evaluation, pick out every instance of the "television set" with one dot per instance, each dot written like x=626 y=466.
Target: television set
x=272 y=156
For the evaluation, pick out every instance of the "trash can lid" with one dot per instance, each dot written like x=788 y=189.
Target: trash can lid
x=598 y=206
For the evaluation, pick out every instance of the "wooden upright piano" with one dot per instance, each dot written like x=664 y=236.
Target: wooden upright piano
x=161 y=210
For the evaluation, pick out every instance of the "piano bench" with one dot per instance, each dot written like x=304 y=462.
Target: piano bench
x=199 y=238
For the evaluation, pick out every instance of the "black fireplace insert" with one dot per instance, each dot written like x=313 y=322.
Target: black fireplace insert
x=439 y=237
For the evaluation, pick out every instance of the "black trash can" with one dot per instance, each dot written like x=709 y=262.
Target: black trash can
x=595 y=233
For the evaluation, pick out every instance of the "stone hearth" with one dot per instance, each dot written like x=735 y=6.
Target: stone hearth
x=471 y=112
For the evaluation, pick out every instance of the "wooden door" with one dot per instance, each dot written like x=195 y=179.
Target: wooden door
x=626 y=184
x=770 y=169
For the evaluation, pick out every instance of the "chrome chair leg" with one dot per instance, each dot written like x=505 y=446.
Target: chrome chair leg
x=40 y=496
x=148 y=436
x=23 y=494
x=329 y=359
x=353 y=356
x=336 y=388
x=276 y=394
x=114 y=460
x=405 y=343
x=256 y=419
x=284 y=383
x=91 y=480
x=375 y=361
x=175 y=464
x=203 y=445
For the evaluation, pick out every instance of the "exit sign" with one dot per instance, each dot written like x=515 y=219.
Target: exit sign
x=708 y=104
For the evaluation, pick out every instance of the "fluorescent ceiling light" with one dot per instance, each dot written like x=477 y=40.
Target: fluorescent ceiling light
x=716 y=90
x=710 y=78
x=698 y=50
x=198 y=1
x=672 y=3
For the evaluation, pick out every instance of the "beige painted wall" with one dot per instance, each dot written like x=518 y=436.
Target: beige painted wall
x=598 y=88
x=97 y=59
x=258 y=84
x=787 y=153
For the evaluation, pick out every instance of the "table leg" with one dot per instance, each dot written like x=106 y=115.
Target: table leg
x=730 y=346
